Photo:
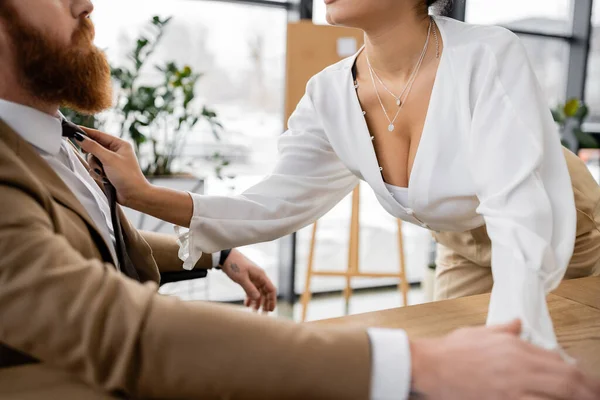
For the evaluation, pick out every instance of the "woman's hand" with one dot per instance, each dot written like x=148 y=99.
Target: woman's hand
x=119 y=162
x=133 y=190
x=260 y=291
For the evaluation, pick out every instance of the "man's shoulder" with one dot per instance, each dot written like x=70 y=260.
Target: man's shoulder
x=13 y=169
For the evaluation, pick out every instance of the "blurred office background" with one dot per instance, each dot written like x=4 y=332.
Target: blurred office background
x=239 y=47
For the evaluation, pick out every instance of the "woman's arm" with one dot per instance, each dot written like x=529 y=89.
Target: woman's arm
x=523 y=185
x=133 y=189
x=307 y=181
x=170 y=205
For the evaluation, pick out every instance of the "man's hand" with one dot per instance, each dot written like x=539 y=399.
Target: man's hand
x=260 y=291
x=494 y=363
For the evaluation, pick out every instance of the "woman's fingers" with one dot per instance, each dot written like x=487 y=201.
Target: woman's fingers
x=109 y=141
x=91 y=146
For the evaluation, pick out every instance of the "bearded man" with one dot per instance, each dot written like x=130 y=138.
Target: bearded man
x=80 y=317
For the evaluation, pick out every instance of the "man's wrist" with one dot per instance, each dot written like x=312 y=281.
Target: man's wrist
x=420 y=366
x=391 y=369
x=215 y=259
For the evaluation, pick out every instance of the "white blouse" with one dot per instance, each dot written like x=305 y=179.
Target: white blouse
x=489 y=153
x=400 y=194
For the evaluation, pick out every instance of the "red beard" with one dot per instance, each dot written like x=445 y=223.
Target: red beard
x=76 y=76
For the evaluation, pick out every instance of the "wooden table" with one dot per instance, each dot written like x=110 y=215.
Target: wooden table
x=585 y=291
x=574 y=307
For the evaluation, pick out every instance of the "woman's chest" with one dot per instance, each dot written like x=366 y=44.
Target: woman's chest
x=437 y=172
x=396 y=124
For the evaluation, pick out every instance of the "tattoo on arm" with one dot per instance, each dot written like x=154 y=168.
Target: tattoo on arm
x=234 y=267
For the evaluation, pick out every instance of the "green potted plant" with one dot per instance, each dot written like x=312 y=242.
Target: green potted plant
x=159 y=116
x=570 y=117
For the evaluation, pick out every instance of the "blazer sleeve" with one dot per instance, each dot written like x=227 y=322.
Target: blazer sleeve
x=523 y=186
x=81 y=316
x=306 y=182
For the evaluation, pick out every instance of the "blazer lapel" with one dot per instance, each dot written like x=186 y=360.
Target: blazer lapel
x=43 y=173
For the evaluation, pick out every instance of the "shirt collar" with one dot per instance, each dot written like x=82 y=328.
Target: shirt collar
x=39 y=129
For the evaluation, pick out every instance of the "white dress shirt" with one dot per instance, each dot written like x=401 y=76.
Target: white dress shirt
x=44 y=132
x=490 y=153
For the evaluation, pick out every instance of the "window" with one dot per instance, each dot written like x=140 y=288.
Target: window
x=549 y=56
x=541 y=16
x=319 y=12
x=592 y=94
x=240 y=50
x=378 y=250
x=549 y=59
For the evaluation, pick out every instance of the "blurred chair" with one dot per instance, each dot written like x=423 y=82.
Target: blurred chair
x=180 y=276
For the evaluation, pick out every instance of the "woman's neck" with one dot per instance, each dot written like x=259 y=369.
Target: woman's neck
x=393 y=49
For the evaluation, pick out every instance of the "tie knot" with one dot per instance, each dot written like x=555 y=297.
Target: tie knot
x=69 y=129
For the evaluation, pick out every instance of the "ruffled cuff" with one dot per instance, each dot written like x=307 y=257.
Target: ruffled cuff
x=523 y=296
x=187 y=253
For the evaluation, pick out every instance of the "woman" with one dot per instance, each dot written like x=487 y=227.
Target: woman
x=447 y=124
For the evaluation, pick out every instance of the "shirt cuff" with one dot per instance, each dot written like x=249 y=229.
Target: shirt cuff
x=215 y=259
x=391 y=373
x=520 y=293
x=188 y=253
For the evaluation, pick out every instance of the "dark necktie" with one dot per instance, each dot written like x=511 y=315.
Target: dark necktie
x=69 y=129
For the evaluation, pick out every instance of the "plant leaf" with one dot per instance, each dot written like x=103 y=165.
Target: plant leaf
x=586 y=141
x=571 y=107
x=582 y=113
x=558 y=115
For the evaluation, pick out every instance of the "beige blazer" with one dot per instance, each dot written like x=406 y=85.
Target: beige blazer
x=97 y=332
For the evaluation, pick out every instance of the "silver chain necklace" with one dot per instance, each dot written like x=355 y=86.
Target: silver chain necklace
x=399 y=98
x=408 y=87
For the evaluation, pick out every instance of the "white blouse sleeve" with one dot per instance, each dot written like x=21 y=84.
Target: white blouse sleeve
x=524 y=189
x=307 y=181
